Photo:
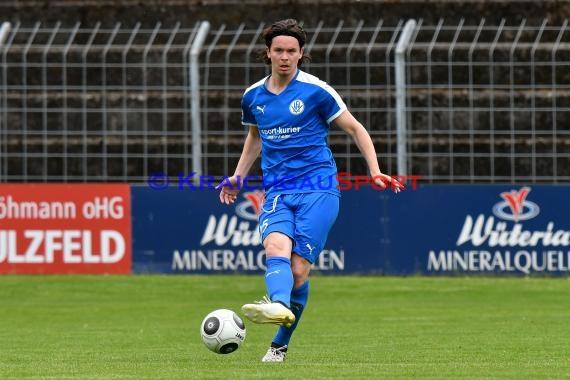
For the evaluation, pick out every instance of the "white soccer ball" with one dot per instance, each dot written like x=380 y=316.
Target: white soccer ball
x=223 y=331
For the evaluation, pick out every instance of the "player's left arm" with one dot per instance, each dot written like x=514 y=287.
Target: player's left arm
x=348 y=123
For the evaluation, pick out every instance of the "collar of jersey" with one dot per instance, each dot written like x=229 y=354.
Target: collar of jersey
x=292 y=80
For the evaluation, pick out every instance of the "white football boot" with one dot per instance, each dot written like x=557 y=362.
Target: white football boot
x=275 y=354
x=265 y=311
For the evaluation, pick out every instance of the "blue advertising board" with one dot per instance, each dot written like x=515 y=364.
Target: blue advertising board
x=435 y=229
x=187 y=231
x=481 y=230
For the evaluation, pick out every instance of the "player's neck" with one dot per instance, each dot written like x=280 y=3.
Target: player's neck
x=277 y=83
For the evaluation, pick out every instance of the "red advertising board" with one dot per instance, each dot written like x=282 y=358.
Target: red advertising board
x=65 y=228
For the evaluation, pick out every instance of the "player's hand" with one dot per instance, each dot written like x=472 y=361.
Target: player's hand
x=384 y=180
x=229 y=190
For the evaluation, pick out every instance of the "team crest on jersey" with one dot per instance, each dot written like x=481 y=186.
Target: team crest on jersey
x=297 y=107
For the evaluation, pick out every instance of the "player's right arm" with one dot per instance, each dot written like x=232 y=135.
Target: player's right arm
x=250 y=152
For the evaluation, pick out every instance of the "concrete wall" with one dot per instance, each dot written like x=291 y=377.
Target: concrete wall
x=234 y=12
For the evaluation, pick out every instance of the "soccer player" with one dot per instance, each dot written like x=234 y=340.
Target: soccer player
x=289 y=114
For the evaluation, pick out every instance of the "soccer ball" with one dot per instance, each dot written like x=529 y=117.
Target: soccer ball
x=222 y=331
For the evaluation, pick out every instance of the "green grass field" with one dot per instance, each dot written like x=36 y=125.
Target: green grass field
x=147 y=327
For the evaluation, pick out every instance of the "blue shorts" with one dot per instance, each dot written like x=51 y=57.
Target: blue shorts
x=305 y=217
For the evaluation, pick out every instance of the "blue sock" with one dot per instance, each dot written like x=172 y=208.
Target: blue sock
x=279 y=279
x=299 y=297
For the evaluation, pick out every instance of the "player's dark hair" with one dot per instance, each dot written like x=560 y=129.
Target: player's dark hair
x=288 y=27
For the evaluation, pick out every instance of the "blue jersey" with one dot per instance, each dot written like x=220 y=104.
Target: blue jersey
x=293 y=127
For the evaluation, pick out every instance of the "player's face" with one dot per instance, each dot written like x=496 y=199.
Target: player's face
x=284 y=54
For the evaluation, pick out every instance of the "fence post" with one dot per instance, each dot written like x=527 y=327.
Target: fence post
x=400 y=72
x=4 y=30
x=554 y=87
x=195 y=97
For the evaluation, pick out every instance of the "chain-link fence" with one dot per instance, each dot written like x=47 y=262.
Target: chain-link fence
x=484 y=103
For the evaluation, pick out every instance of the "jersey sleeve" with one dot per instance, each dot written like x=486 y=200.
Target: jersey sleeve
x=247 y=117
x=331 y=104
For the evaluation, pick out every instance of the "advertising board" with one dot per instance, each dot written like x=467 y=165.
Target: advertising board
x=65 y=228
x=435 y=229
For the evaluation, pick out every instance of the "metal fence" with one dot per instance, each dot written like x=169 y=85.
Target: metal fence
x=490 y=103
x=483 y=103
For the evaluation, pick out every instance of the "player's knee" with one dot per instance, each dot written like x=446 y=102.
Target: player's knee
x=277 y=244
x=272 y=249
x=300 y=273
